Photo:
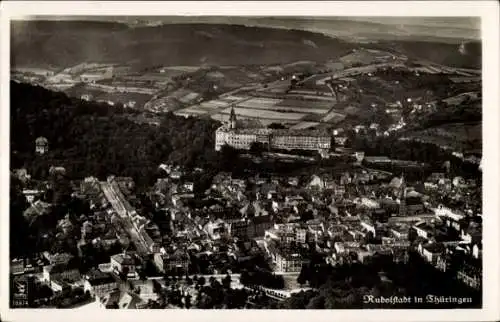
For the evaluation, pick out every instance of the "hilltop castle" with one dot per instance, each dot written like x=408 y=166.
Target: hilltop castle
x=241 y=138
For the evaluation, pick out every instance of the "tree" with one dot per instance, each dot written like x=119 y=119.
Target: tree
x=142 y=274
x=298 y=300
x=245 y=277
x=303 y=275
x=228 y=156
x=201 y=281
x=124 y=273
x=226 y=281
x=257 y=148
x=187 y=301
x=78 y=291
x=316 y=303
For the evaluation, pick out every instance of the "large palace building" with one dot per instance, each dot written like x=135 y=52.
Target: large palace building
x=242 y=138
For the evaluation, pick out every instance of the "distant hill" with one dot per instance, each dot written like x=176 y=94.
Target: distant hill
x=442 y=53
x=442 y=29
x=64 y=43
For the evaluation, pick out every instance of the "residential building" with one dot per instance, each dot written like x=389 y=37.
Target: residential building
x=431 y=251
x=424 y=230
x=41 y=145
x=124 y=263
x=471 y=275
x=61 y=272
x=118 y=299
x=259 y=225
x=176 y=261
x=239 y=229
x=287 y=260
x=400 y=255
x=443 y=262
x=17 y=266
x=98 y=283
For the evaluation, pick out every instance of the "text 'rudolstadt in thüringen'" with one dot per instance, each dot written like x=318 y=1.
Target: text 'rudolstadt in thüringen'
x=429 y=299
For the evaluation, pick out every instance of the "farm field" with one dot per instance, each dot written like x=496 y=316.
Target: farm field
x=313 y=97
x=183 y=69
x=231 y=98
x=262 y=101
x=266 y=114
x=214 y=104
x=149 y=77
x=313 y=80
x=284 y=109
x=281 y=105
x=139 y=99
x=333 y=117
x=179 y=93
x=261 y=122
x=320 y=92
x=189 y=97
x=305 y=104
x=190 y=111
x=304 y=125
x=352 y=110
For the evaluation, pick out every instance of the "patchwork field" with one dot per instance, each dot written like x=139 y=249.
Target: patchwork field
x=284 y=109
x=183 y=69
x=309 y=110
x=214 y=104
x=333 y=117
x=189 y=97
x=191 y=111
x=305 y=104
x=313 y=97
x=231 y=98
x=265 y=114
x=260 y=102
x=262 y=122
x=304 y=125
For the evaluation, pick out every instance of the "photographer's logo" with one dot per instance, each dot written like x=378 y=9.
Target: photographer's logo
x=20 y=294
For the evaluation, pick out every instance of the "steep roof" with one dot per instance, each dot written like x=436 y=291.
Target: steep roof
x=124 y=259
x=99 y=278
x=41 y=141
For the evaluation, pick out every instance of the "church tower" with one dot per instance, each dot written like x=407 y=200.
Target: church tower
x=402 y=196
x=232 y=119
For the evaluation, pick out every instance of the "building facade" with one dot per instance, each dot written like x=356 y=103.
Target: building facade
x=41 y=145
x=60 y=272
x=242 y=138
x=175 y=262
x=289 y=262
x=124 y=264
x=99 y=284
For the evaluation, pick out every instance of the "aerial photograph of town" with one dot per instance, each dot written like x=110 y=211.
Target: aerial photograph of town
x=245 y=162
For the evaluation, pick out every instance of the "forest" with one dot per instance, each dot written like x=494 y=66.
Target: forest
x=93 y=139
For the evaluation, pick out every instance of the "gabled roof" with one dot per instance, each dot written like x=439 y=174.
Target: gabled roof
x=124 y=259
x=59 y=268
x=41 y=141
x=434 y=248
